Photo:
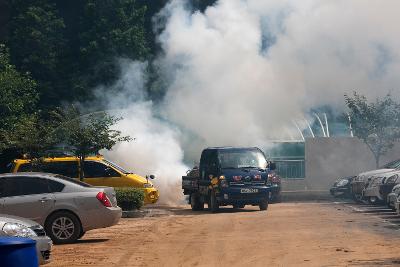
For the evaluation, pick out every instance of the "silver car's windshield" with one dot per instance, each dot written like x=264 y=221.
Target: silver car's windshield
x=241 y=159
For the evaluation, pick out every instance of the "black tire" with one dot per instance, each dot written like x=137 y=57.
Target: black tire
x=81 y=234
x=264 y=205
x=63 y=227
x=195 y=202
x=213 y=204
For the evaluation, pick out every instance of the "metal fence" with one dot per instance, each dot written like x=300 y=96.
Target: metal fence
x=290 y=168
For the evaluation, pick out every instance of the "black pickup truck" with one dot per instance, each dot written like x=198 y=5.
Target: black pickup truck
x=229 y=176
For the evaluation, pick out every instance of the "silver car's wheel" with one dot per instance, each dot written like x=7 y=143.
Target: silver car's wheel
x=63 y=227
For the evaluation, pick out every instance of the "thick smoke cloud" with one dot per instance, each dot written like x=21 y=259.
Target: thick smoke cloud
x=244 y=69
x=240 y=72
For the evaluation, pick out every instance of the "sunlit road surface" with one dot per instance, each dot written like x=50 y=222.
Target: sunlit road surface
x=288 y=234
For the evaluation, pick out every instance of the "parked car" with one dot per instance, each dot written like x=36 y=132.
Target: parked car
x=377 y=189
x=98 y=172
x=21 y=227
x=274 y=182
x=359 y=182
x=342 y=187
x=371 y=191
x=66 y=207
x=392 y=197
x=387 y=187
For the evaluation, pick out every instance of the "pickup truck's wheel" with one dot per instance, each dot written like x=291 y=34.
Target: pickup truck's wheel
x=213 y=204
x=264 y=205
x=195 y=202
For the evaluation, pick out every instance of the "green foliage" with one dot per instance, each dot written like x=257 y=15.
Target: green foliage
x=110 y=29
x=129 y=198
x=87 y=134
x=37 y=44
x=377 y=123
x=18 y=97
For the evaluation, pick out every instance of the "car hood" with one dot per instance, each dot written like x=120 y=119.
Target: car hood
x=5 y=218
x=138 y=178
x=387 y=174
x=374 y=172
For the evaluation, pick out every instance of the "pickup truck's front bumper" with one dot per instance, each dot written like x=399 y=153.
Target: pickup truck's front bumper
x=243 y=195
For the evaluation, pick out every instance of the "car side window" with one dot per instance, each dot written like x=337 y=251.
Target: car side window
x=20 y=186
x=95 y=169
x=66 y=168
x=27 y=167
x=55 y=186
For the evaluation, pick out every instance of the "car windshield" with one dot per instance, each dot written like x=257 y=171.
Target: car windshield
x=241 y=159
x=71 y=180
x=392 y=165
x=115 y=166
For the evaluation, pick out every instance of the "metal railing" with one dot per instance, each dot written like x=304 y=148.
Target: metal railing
x=290 y=168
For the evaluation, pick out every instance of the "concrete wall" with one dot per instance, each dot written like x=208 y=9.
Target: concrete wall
x=330 y=158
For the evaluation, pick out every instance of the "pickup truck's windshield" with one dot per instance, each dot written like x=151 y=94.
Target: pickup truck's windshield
x=241 y=159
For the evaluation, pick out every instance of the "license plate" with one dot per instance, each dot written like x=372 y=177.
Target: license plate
x=248 y=190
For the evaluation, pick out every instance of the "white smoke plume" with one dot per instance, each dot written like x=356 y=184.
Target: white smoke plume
x=244 y=69
x=156 y=148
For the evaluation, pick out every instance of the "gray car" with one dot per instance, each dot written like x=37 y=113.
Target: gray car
x=21 y=227
x=66 y=207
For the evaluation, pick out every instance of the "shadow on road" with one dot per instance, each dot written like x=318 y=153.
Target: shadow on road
x=186 y=211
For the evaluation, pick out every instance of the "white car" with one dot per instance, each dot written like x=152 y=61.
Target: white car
x=358 y=183
x=14 y=226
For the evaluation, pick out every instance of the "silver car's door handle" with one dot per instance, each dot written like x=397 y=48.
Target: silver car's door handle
x=44 y=199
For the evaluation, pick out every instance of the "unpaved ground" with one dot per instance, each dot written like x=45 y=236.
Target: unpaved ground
x=288 y=234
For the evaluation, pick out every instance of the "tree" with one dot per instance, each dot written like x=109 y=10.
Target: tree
x=23 y=128
x=377 y=123
x=18 y=98
x=37 y=45
x=110 y=29
x=88 y=134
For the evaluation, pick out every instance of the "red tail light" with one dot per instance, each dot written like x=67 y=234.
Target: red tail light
x=102 y=197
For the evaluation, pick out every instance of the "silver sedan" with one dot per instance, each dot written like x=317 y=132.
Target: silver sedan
x=66 y=207
x=21 y=227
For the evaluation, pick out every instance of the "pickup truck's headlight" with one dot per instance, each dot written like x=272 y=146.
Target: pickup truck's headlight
x=147 y=185
x=18 y=230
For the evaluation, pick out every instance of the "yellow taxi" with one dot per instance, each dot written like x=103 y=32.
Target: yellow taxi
x=98 y=172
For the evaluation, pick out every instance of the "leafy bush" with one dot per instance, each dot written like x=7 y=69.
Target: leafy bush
x=129 y=198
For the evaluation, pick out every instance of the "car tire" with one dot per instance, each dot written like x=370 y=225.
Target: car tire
x=81 y=234
x=195 y=202
x=264 y=205
x=213 y=204
x=63 y=227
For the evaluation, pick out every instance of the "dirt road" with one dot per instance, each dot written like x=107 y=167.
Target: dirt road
x=288 y=234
